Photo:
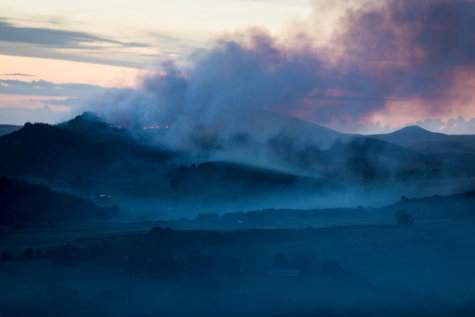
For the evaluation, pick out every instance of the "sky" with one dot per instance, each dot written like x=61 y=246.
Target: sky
x=367 y=66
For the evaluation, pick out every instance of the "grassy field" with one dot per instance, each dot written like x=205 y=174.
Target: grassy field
x=362 y=270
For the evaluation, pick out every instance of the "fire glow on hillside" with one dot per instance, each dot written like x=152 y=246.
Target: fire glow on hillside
x=153 y=127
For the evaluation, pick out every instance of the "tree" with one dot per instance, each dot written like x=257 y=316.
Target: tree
x=164 y=265
x=303 y=261
x=404 y=218
x=28 y=254
x=332 y=268
x=160 y=232
x=280 y=261
x=197 y=264
x=233 y=266
x=6 y=256
x=175 y=183
x=65 y=255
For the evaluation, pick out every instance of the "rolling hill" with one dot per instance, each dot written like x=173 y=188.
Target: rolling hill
x=26 y=204
x=8 y=128
x=458 y=151
x=292 y=162
x=85 y=145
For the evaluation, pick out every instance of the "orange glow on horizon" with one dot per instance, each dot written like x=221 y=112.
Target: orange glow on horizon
x=153 y=127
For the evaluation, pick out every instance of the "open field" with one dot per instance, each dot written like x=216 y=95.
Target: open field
x=366 y=270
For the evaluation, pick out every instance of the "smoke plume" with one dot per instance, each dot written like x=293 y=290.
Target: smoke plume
x=380 y=56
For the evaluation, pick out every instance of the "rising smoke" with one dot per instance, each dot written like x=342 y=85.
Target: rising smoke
x=378 y=53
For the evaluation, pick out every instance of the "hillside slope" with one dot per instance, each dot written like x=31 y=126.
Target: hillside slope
x=456 y=150
x=22 y=203
x=8 y=128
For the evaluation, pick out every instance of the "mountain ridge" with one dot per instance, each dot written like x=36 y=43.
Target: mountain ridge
x=88 y=154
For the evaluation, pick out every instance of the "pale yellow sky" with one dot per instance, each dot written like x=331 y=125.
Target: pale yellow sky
x=62 y=71
x=171 y=29
x=177 y=16
x=163 y=30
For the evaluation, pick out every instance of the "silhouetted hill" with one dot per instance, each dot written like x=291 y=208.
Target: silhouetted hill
x=357 y=157
x=85 y=144
x=87 y=155
x=414 y=131
x=89 y=145
x=456 y=150
x=22 y=203
x=262 y=125
x=274 y=141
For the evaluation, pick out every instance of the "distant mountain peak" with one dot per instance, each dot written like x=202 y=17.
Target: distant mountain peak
x=415 y=131
x=410 y=134
x=412 y=129
x=87 y=116
x=86 y=120
x=8 y=128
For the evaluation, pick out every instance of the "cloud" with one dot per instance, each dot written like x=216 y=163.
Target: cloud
x=46 y=88
x=19 y=116
x=451 y=126
x=76 y=102
x=18 y=75
x=54 y=37
x=57 y=43
x=43 y=101
x=75 y=46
